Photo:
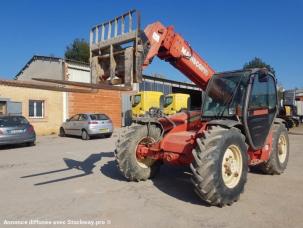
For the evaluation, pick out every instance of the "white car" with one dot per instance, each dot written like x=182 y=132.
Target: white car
x=87 y=125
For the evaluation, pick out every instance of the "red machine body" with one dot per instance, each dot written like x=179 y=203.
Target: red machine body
x=182 y=130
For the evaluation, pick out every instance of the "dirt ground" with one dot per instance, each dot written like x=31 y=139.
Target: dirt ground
x=70 y=181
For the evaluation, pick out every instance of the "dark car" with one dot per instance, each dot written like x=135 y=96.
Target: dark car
x=16 y=130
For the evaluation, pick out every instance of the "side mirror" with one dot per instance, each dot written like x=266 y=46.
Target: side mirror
x=66 y=120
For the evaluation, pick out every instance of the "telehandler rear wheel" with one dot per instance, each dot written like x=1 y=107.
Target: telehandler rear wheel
x=220 y=165
x=133 y=168
x=280 y=151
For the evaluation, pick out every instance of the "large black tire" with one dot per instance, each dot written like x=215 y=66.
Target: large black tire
x=289 y=122
x=277 y=164
x=108 y=135
x=208 y=167
x=85 y=135
x=125 y=152
x=61 y=132
x=297 y=122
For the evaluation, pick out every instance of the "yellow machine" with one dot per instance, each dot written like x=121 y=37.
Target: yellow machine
x=288 y=110
x=176 y=102
x=143 y=101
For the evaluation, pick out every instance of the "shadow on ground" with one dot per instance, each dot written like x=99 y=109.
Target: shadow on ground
x=111 y=170
x=13 y=146
x=86 y=166
x=175 y=181
x=171 y=180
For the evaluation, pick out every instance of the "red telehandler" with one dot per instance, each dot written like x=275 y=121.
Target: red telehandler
x=236 y=128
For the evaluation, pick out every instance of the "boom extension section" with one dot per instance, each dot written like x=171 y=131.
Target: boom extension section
x=170 y=46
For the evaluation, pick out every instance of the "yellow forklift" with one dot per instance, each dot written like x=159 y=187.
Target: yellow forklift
x=145 y=101
x=176 y=102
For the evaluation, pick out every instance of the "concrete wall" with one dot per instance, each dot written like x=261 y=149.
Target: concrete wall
x=105 y=101
x=39 y=68
x=78 y=73
x=53 y=107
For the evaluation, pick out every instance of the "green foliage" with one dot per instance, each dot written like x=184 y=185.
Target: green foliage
x=258 y=63
x=78 y=50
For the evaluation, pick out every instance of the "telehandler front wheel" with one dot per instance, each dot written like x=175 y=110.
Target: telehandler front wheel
x=278 y=158
x=220 y=165
x=133 y=168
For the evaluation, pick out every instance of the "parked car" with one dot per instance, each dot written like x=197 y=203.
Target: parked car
x=16 y=130
x=87 y=125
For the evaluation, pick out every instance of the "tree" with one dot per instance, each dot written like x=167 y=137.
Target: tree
x=78 y=50
x=258 y=63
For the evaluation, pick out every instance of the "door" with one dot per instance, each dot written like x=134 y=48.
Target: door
x=71 y=125
x=262 y=107
x=2 y=107
x=82 y=123
x=126 y=110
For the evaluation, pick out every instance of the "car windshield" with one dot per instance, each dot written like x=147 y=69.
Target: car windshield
x=168 y=101
x=225 y=94
x=98 y=117
x=10 y=121
x=136 y=100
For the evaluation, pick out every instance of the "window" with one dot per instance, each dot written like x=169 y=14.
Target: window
x=136 y=100
x=36 y=109
x=225 y=94
x=83 y=117
x=11 y=121
x=98 y=117
x=74 y=118
x=263 y=93
x=168 y=101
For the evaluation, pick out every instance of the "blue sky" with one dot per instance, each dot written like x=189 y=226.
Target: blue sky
x=225 y=33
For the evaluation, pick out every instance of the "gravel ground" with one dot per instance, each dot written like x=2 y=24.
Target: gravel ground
x=70 y=181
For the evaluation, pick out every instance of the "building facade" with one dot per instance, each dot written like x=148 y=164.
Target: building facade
x=41 y=107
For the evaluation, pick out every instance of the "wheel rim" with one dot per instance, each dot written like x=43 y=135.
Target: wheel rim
x=232 y=166
x=145 y=162
x=282 y=148
x=84 y=135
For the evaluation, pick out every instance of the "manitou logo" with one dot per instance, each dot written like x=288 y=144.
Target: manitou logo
x=199 y=65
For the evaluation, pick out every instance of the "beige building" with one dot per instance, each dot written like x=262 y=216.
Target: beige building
x=42 y=108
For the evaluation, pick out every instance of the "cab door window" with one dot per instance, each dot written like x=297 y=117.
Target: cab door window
x=261 y=108
x=263 y=94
